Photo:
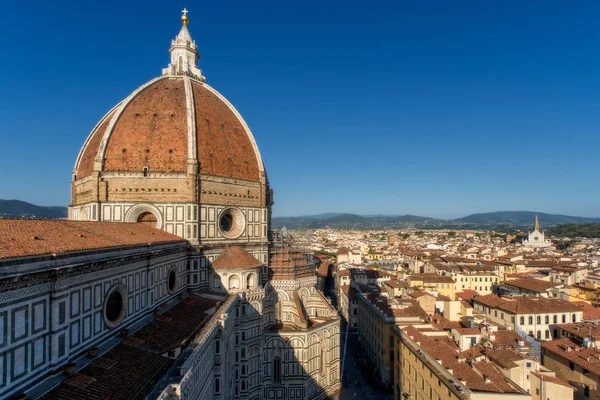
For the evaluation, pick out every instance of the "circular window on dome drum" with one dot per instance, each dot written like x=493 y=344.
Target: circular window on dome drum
x=232 y=223
x=115 y=306
x=147 y=218
x=172 y=280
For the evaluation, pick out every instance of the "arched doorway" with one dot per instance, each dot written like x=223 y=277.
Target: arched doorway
x=147 y=218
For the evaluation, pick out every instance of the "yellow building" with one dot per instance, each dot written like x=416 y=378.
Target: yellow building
x=428 y=366
x=532 y=315
x=481 y=282
x=377 y=316
x=575 y=363
x=442 y=284
x=548 y=387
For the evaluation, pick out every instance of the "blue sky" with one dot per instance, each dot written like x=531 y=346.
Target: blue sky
x=431 y=108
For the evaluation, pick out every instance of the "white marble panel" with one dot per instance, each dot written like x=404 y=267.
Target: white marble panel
x=117 y=213
x=20 y=323
x=106 y=215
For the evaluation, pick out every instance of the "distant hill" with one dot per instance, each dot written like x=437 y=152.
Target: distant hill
x=353 y=221
x=575 y=230
x=22 y=209
x=500 y=220
x=519 y=218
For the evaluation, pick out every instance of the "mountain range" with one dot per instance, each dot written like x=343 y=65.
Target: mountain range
x=22 y=209
x=499 y=220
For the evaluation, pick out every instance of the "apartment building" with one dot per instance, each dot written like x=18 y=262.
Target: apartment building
x=531 y=315
x=377 y=316
x=574 y=361
x=441 y=284
x=427 y=365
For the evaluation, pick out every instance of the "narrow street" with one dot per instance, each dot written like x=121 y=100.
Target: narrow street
x=355 y=382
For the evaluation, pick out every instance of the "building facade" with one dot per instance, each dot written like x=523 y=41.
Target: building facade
x=537 y=238
x=533 y=316
x=211 y=305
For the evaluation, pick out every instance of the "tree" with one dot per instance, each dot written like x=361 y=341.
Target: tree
x=452 y=234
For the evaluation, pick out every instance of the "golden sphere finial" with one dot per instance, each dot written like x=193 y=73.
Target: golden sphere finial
x=184 y=17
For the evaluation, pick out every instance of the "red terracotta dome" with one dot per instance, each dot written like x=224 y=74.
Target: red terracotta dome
x=167 y=125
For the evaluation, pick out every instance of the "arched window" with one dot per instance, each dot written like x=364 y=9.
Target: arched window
x=277 y=370
x=547 y=334
x=243 y=386
x=555 y=333
x=539 y=319
x=530 y=320
x=547 y=319
x=250 y=281
x=234 y=282
x=574 y=317
x=539 y=334
x=522 y=320
x=564 y=318
x=147 y=218
x=243 y=370
x=217 y=282
x=555 y=319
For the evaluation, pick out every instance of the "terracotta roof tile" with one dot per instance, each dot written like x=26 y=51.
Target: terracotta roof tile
x=133 y=374
x=29 y=237
x=151 y=131
x=505 y=357
x=176 y=326
x=526 y=304
x=586 y=357
x=508 y=339
x=589 y=312
x=224 y=148
x=553 y=379
x=235 y=257
x=473 y=374
x=88 y=155
x=534 y=285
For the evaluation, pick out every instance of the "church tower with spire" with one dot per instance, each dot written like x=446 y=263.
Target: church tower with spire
x=536 y=238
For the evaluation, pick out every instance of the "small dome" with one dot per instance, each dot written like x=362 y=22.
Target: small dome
x=236 y=257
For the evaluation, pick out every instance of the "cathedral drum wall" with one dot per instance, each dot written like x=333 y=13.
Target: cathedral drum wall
x=84 y=191
x=228 y=191
x=79 y=306
x=154 y=188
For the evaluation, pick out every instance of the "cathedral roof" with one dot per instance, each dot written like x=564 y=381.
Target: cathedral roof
x=29 y=237
x=175 y=123
x=166 y=123
x=235 y=257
